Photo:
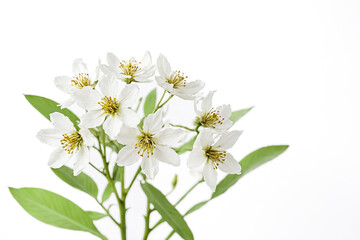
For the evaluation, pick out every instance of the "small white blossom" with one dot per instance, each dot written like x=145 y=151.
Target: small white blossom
x=131 y=70
x=68 y=142
x=110 y=105
x=214 y=118
x=175 y=82
x=211 y=155
x=152 y=143
x=81 y=78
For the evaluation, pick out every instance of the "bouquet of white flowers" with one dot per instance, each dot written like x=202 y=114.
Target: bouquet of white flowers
x=112 y=122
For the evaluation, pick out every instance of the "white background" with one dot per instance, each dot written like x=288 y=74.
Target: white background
x=297 y=62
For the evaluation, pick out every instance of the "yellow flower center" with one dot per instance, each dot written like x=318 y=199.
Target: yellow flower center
x=145 y=144
x=210 y=119
x=130 y=68
x=215 y=156
x=177 y=79
x=109 y=105
x=71 y=142
x=81 y=80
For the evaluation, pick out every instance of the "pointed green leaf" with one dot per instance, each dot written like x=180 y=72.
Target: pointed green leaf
x=117 y=173
x=186 y=146
x=82 y=181
x=47 y=106
x=95 y=215
x=196 y=207
x=150 y=102
x=53 y=209
x=107 y=192
x=167 y=211
x=236 y=115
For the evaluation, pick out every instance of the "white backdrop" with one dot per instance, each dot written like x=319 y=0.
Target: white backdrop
x=297 y=62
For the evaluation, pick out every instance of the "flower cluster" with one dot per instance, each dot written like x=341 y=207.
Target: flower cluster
x=109 y=97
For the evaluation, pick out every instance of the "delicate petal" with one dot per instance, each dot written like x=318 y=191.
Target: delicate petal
x=112 y=126
x=61 y=123
x=106 y=69
x=153 y=122
x=227 y=140
x=205 y=138
x=169 y=136
x=210 y=175
x=230 y=165
x=130 y=117
x=58 y=158
x=224 y=111
x=196 y=158
x=225 y=125
x=82 y=160
x=64 y=84
x=67 y=103
x=167 y=155
x=88 y=137
x=50 y=136
x=146 y=60
x=109 y=86
x=129 y=95
x=128 y=136
x=150 y=166
x=207 y=102
x=161 y=81
x=92 y=119
x=88 y=98
x=113 y=60
x=79 y=66
x=127 y=156
x=163 y=66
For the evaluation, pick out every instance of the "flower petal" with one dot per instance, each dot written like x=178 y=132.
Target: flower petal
x=167 y=155
x=88 y=98
x=224 y=111
x=196 y=158
x=205 y=138
x=92 y=119
x=128 y=135
x=169 y=136
x=67 y=103
x=163 y=66
x=153 y=122
x=130 y=117
x=88 y=138
x=109 y=86
x=82 y=160
x=112 y=60
x=127 y=156
x=61 y=123
x=64 y=84
x=150 y=166
x=206 y=103
x=146 y=60
x=227 y=139
x=112 y=126
x=161 y=81
x=210 y=175
x=58 y=158
x=50 y=136
x=79 y=66
x=230 y=165
x=129 y=95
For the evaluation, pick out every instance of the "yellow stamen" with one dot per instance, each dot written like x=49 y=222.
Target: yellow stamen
x=130 y=68
x=177 y=79
x=71 y=142
x=145 y=144
x=215 y=156
x=210 y=119
x=109 y=105
x=81 y=80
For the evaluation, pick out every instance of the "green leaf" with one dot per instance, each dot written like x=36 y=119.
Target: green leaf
x=249 y=163
x=117 y=173
x=150 y=102
x=167 y=211
x=47 y=106
x=95 y=215
x=196 y=207
x=82 y=181
x=236 y=115
x=186 y=146
x=107 y=192
x=53 y=209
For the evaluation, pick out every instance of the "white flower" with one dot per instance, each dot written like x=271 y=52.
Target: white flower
x=175 y=82
x=152 y=143
x=214 y=118
x=80 y=79
x=68 y=142
x=109 y=106
x=212 y=155
x=131 y=70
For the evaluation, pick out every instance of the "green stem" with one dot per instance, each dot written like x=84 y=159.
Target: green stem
x=108 y=213
x=158 y=104
x=181 y=126
x=171 y=96
x=170 y=235
x=138 y=106
x=97 y=169
x=147 y=221
x=133 y=180
x=122 y=205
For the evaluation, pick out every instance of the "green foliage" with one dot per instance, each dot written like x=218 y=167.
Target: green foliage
x=150 y=102
x=82 y=181
x=236 y=115
x=95 y=215
x=167 y=211
x=186 y=146
x=107 y=192
x=47 y=106
x=53 y=209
